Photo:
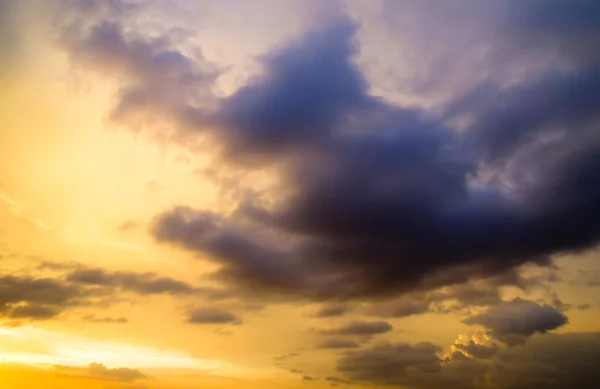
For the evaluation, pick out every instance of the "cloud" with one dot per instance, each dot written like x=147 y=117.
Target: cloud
x=285 y=356
x=33 y=312
x=331 y=311
x=475 y=350
x=360 y=328
x=128 y=225
x=161 y=83
x=540 y=363
x=143 y=283
x=111 y=320
x=308 y=378
x=403 y=307
x=338 y=344
x=388 y=363
x=515 y=320
x=24 y=297
x=212 y=316
x=376 y=199
x=99 y=371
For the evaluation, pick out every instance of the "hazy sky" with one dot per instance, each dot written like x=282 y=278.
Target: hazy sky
x=284 y=194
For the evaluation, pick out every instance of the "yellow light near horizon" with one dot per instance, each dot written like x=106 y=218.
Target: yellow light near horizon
x=33 y=346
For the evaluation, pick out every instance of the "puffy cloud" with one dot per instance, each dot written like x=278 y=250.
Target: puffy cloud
x=336 y=343
x=359 y=328
x=211 y=316
x=513 y=321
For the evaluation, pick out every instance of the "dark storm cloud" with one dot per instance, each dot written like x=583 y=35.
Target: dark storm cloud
x=542 y=363
x=515 y=320
x=338 y=344
x=142 y=283
x=307 y=87
x=378 y=199
x=359 y=328
x=212 y=316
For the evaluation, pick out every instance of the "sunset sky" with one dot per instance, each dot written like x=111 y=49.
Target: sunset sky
x=246 y=194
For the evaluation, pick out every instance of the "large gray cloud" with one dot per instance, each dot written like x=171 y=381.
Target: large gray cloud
x=379 y=199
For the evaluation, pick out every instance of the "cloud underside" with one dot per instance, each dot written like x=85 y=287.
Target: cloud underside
x=373 y=198
x=545 y=361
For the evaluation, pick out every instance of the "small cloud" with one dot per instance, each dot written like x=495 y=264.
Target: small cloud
x=99 y=371
x=32 y=312
x=331 y=311
x=360 y=328
x=153 y=187
x=128 y=225
x=584 y=307
x=338 y=344
x=285 y=356
x=212 y=316
x=108 y=320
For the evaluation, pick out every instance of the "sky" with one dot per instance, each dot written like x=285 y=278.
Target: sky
x=299 y=194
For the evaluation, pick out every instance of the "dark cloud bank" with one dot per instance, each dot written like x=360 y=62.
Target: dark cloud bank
x=376 y=199
x=551 y=361
x=381 y=199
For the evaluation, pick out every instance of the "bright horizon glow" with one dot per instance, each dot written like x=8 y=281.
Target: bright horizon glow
x=56 y=348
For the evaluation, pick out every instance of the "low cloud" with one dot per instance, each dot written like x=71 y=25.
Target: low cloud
x=338 y=344
x=142 y=283
x=542 y=362
x=359 y=328
x=108 y=320
x=99 y=371
x=331 y=310
x=513 y=321
x=211 y=316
